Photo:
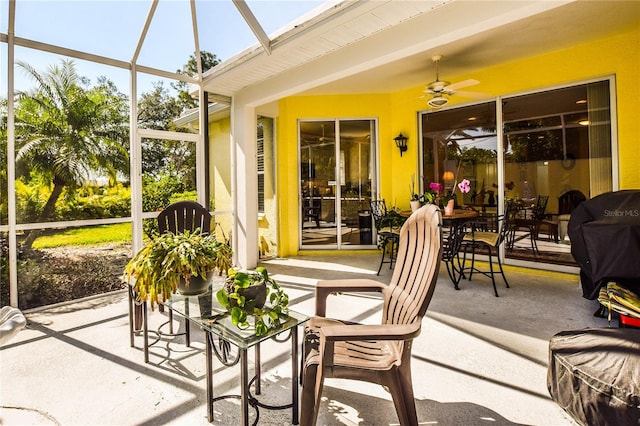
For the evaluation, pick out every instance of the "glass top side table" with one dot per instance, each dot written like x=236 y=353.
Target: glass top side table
x=205 y=311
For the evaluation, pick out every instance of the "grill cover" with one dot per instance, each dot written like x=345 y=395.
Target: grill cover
x=594 y=375
x=605 y=241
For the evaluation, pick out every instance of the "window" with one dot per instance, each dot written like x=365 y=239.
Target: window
x=260 y=155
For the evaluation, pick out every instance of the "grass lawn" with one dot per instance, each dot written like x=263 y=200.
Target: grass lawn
x=87 y=236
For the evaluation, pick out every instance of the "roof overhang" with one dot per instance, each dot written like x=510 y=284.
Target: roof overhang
x=385 y=46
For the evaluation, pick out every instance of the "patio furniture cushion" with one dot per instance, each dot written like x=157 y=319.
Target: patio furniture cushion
x=594 y=375
x=619 y=299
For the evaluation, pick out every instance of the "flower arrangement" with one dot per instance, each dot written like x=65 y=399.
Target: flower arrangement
x=435 y=188
x=431 y=196
x=464 y=186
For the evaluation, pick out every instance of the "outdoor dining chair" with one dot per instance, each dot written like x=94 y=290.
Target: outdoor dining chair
x=532 y=222
x=487 y=233
x=374 y=353
x=175 y=218
x=451 y=242
x=388 y=228
x=12 y=320
x=556 y=224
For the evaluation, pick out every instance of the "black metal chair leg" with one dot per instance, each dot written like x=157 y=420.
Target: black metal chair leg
x=473 y=260
x=504 y=277
x=493 y=275
x=394 y=252
x=384 y=249
x=451 y=271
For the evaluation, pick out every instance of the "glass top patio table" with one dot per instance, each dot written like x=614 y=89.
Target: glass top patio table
x=205 y=311
x=218 y=320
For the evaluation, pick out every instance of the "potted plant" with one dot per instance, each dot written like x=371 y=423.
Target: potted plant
x=176 y=262
x=245 y=294
x=449 y=199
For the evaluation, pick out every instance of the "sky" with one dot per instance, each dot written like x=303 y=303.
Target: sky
x=112 y=29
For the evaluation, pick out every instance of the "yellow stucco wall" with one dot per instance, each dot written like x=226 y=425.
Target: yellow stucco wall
x=220 y=184
x=398 y=112
x=220 y=174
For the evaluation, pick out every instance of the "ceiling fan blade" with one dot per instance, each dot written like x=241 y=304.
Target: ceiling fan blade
x=473 y=95
x=461 y=84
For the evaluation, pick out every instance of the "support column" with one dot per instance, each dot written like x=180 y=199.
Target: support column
x=245 y=188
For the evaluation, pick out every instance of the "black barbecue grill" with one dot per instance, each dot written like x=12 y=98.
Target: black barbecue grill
x=605 y=241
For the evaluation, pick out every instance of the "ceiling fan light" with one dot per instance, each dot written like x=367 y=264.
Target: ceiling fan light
x=437 y=102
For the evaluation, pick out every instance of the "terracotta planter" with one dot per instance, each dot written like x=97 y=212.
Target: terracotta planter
x=448 y=209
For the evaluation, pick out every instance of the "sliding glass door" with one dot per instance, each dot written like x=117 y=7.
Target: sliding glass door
x=336 y=172
x=557 y=149
x=554 y=147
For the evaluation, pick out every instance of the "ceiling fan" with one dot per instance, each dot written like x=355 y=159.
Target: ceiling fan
x=323 y=138
x=440 y=90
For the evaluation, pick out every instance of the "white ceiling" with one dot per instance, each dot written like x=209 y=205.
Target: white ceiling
x=386 y=46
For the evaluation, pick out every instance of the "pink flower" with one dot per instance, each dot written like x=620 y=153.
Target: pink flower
x=435 y=186
x=464 y=186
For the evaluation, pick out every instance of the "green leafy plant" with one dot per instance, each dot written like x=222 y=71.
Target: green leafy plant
x=266 y=317
x=156 y=270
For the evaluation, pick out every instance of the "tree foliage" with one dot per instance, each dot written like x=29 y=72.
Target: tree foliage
x=3 y=161
x=157 y=109
x=68 y=133
x=207 y=61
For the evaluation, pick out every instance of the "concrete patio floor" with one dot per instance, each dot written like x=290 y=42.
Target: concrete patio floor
x=479 y=359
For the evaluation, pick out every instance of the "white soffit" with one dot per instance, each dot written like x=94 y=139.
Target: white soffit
x=333 y=29
x=382 y=46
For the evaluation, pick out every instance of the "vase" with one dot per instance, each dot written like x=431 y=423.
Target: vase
x=415 y=205
x=448 y=209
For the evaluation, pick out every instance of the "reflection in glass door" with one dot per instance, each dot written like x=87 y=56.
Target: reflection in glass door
x=336 y=171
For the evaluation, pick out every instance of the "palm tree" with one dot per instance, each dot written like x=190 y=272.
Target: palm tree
x=66 y=133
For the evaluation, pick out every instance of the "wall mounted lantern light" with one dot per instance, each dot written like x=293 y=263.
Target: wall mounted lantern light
x=401 y=143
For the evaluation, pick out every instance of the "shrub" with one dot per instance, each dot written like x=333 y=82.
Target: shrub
x=97 y=203
x=47 y=278
x=157 y=193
